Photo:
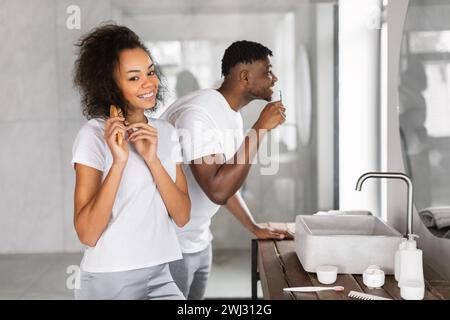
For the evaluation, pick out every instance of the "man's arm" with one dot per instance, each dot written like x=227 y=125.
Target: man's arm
x=220 y=180
x=236 y=205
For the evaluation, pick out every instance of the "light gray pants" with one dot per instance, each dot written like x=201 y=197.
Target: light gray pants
x=153 y=283
x=192 y=272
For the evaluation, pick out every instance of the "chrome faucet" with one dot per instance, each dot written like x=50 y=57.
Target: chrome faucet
x=394 y=175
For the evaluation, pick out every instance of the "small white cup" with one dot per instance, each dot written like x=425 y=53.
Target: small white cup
x=326 y=274
x=412 y=290
x=373 y=277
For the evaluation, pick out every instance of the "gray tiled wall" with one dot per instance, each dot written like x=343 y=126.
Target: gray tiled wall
x=40 y=116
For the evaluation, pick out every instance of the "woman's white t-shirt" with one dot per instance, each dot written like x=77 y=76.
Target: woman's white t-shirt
x=140 y=233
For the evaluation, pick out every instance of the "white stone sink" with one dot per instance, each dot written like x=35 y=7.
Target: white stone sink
x=350 y=242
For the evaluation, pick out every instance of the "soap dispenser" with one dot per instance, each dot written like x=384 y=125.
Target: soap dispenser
x=397 y=261
x=411 y=280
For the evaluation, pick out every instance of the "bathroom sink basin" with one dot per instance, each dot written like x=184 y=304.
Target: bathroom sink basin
x=350 y=242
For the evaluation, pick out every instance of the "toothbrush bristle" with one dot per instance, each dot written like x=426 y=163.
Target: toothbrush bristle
x=338 y=288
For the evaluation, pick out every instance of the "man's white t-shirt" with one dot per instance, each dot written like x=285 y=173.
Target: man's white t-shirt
x=206 y=125
x=140 y=233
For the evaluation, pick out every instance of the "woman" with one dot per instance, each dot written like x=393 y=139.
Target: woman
x=127 y=195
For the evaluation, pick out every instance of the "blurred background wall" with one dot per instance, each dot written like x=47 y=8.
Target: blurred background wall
x=41 y=115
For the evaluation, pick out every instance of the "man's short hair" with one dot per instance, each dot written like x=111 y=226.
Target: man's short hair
x=243 y=52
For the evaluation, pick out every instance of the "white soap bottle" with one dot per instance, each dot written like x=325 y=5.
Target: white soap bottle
x=397 y=261
x=411 y=280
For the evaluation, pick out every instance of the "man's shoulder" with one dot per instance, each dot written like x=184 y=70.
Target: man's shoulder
x=191 y=116
x=201 y=99
x=194 y=106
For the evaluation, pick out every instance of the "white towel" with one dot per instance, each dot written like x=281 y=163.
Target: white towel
x=438 y=217
x=427 y=219
x=340 y=213
x=446 y=235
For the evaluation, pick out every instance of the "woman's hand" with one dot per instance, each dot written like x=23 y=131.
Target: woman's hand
x=113 y=126
x=145 y=140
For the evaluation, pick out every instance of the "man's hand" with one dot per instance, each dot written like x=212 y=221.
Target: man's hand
x=264 y=232
x=271 y=116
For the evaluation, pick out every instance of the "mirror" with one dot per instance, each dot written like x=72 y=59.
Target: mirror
x=187 y=40
x=424 y=110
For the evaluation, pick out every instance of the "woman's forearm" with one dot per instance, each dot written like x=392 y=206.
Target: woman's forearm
x=176 y=201
x=94 y=217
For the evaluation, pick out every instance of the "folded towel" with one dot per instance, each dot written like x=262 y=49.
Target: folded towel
x=446 y=235
x=427 y=219
x=438 y=217
x=340 y=213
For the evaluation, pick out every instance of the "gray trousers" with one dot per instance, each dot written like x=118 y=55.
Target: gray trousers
x=192 y=272
x=153 y=283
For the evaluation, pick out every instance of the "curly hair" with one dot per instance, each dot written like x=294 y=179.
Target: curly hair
x=97 y=59
x=243 y=52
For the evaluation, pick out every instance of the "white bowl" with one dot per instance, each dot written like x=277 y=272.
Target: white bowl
x=327 y=274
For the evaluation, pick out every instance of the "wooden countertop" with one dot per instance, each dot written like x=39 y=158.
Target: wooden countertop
x=278 y=267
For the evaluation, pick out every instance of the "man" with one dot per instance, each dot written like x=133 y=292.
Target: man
x=218 y=157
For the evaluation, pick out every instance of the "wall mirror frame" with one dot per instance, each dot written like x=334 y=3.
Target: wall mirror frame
x=424 y=110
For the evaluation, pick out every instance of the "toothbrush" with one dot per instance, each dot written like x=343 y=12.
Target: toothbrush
x=313 y=289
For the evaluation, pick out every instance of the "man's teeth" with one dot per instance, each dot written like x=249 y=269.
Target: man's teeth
x=146 y=96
